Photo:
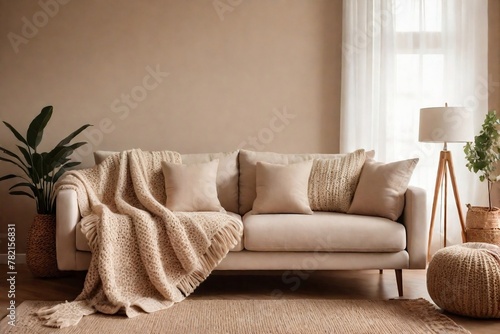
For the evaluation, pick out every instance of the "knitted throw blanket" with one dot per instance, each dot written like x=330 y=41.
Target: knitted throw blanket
x=144 y=257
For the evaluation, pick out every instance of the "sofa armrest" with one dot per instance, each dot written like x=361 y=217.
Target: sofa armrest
x=67 y=216
x=417 y=227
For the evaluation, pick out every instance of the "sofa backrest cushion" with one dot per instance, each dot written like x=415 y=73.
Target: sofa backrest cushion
x=227 y=173
x=248 y=161
x=100 y=156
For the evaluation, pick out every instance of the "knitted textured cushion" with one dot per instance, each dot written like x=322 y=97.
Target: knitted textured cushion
x=465 y=279
x=333 y=181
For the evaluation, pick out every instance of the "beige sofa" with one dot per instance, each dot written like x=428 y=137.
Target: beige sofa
x=321 y=241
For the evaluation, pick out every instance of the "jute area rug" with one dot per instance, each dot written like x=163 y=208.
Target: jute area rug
x=259 y=316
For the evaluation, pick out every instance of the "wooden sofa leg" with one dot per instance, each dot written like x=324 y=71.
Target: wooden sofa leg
x=399 y=281
x=381 y=271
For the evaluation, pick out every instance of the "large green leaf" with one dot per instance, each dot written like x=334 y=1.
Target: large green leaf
x=14 y=163
x=57 y=156
x=37 y=170
x=63 y=169
x=17 y=134
x=12 y=154
x=8 y=176
x=73 y=135
x=24 y=184
x=36 y=127
x=26 y=154
x=22 y=193
x=76 y=146
x=54 y=165
x=70 y=165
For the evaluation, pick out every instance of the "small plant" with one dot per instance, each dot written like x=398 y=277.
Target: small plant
x=40 y=171
x=484 y=153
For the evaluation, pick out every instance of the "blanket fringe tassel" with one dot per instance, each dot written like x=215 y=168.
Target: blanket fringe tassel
x=88 y=226
x=65 y=314
x=222 y=242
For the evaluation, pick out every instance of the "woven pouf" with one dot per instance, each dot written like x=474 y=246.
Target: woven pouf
x=465 y=279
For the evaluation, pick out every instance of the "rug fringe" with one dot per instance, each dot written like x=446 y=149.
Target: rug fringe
x=437 y=321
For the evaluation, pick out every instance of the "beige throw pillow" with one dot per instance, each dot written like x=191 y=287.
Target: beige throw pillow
x=333 y=182
x=227 y=175
x=381 y=188
x=191 y=187
x=282 y=188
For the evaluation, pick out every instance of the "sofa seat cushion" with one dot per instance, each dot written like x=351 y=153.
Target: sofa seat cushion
x=322 y=231
x=83 y=245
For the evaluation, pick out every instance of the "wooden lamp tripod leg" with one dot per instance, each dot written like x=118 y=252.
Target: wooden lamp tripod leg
x=445 y=164
x=441 y=170
x=455 y=192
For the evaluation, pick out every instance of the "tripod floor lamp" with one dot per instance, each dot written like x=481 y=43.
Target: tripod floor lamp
x=445 y=125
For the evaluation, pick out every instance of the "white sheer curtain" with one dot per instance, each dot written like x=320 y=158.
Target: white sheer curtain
x=403 y=55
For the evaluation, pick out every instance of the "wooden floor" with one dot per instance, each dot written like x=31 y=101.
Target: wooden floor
x=259 y=285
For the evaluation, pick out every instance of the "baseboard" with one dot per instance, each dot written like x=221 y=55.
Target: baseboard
x=20 y=258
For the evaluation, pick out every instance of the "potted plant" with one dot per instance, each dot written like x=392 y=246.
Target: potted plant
x=483 y=156
x=39 y=171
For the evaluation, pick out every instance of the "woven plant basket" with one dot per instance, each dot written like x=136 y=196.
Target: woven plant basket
x=482 y=225
x=41 y=249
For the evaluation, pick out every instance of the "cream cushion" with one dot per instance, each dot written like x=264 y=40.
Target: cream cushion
x=332 y=182
x=282 y=188
x=227 y=175
x=191 y=187
x=322 y=231
x=381 y=188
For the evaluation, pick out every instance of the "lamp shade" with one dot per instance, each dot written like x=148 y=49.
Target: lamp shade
x=445 y=125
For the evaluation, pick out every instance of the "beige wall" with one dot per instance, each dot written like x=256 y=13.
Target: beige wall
x=228 y=77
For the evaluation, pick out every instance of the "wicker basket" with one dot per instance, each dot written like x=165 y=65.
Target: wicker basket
x=483 y=225
x=41 y=249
